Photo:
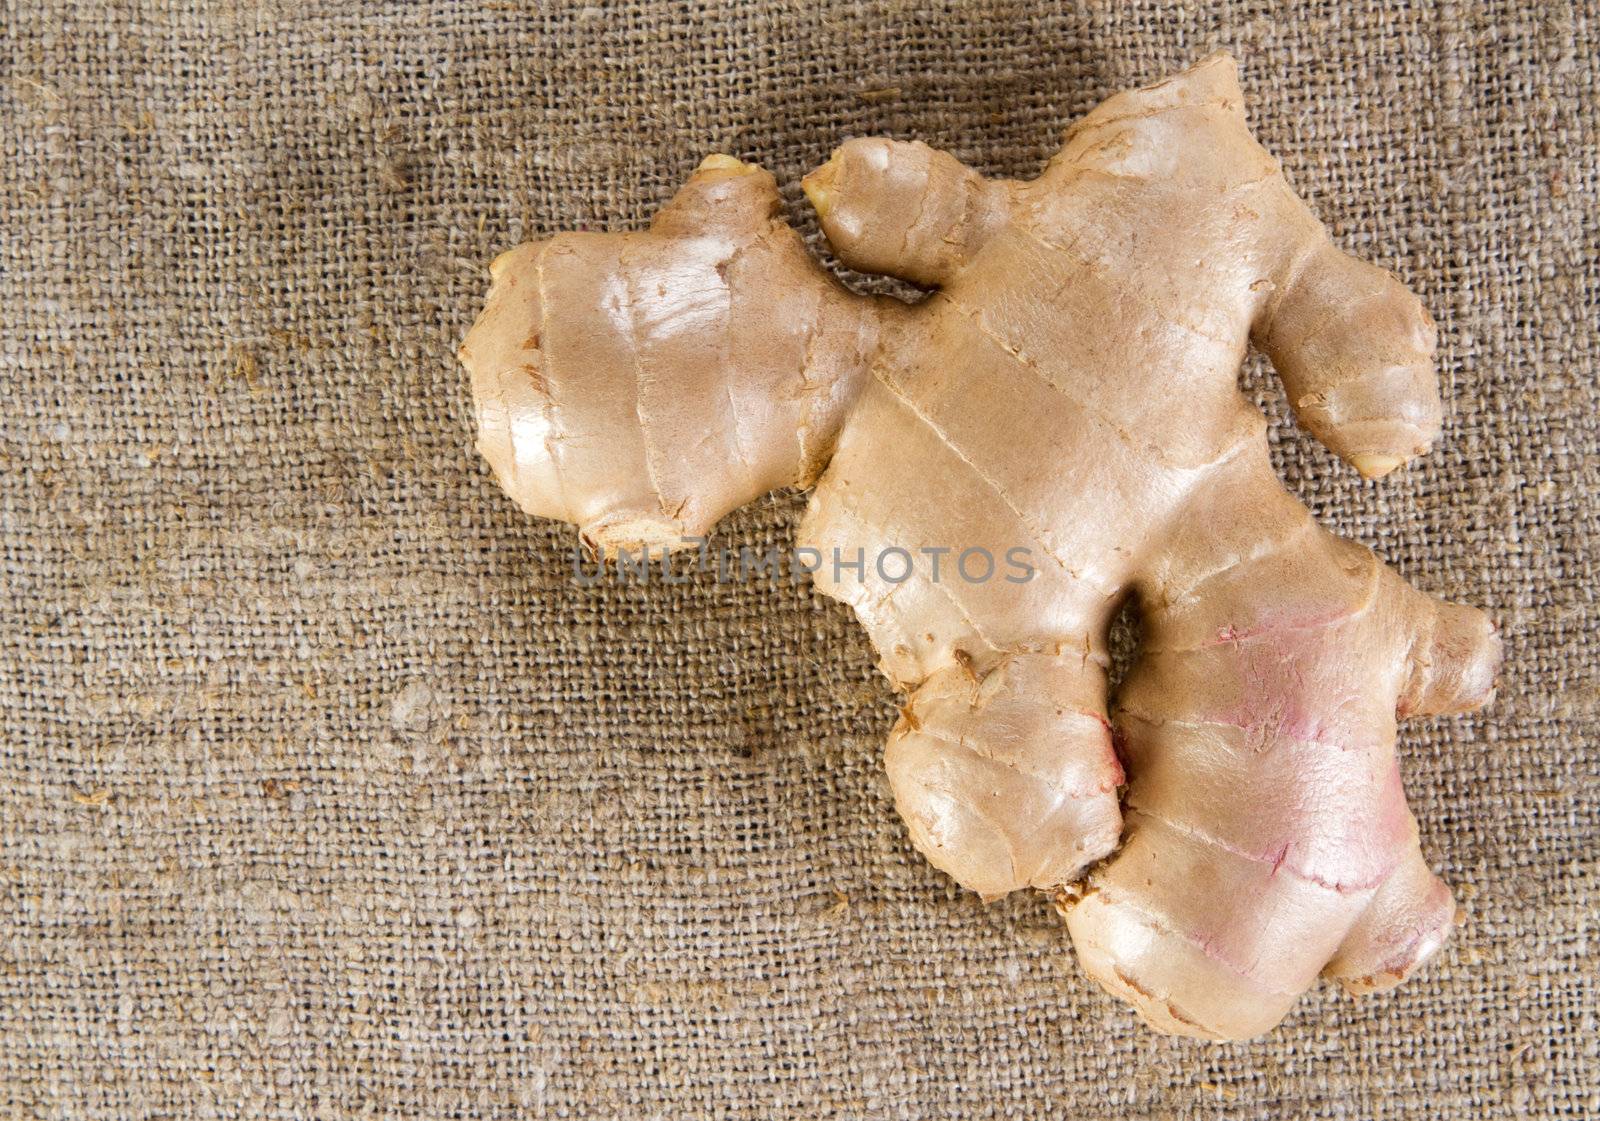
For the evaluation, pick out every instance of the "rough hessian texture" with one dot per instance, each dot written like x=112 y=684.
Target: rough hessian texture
x=325 y=790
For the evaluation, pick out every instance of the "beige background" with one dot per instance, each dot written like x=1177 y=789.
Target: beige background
x=325 y=791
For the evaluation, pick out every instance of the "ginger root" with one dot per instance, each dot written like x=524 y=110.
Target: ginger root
x=1070 y=387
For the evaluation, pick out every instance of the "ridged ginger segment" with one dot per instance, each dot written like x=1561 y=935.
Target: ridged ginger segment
x=1231 y=824
x=642 y=385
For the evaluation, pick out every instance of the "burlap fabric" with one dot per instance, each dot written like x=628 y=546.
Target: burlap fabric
x=325 y=791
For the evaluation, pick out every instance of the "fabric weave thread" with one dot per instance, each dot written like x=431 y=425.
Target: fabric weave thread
x=325 y=791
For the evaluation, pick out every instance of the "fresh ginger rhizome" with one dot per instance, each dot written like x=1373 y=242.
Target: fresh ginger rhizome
x=1070 y=385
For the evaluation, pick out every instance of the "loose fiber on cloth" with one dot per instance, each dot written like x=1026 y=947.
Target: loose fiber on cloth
x=326 y=791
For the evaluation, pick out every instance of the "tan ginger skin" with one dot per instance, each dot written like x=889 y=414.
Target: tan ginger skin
x=1070 y=387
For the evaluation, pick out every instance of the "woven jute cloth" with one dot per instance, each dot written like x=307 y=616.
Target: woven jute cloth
x=327 y=791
